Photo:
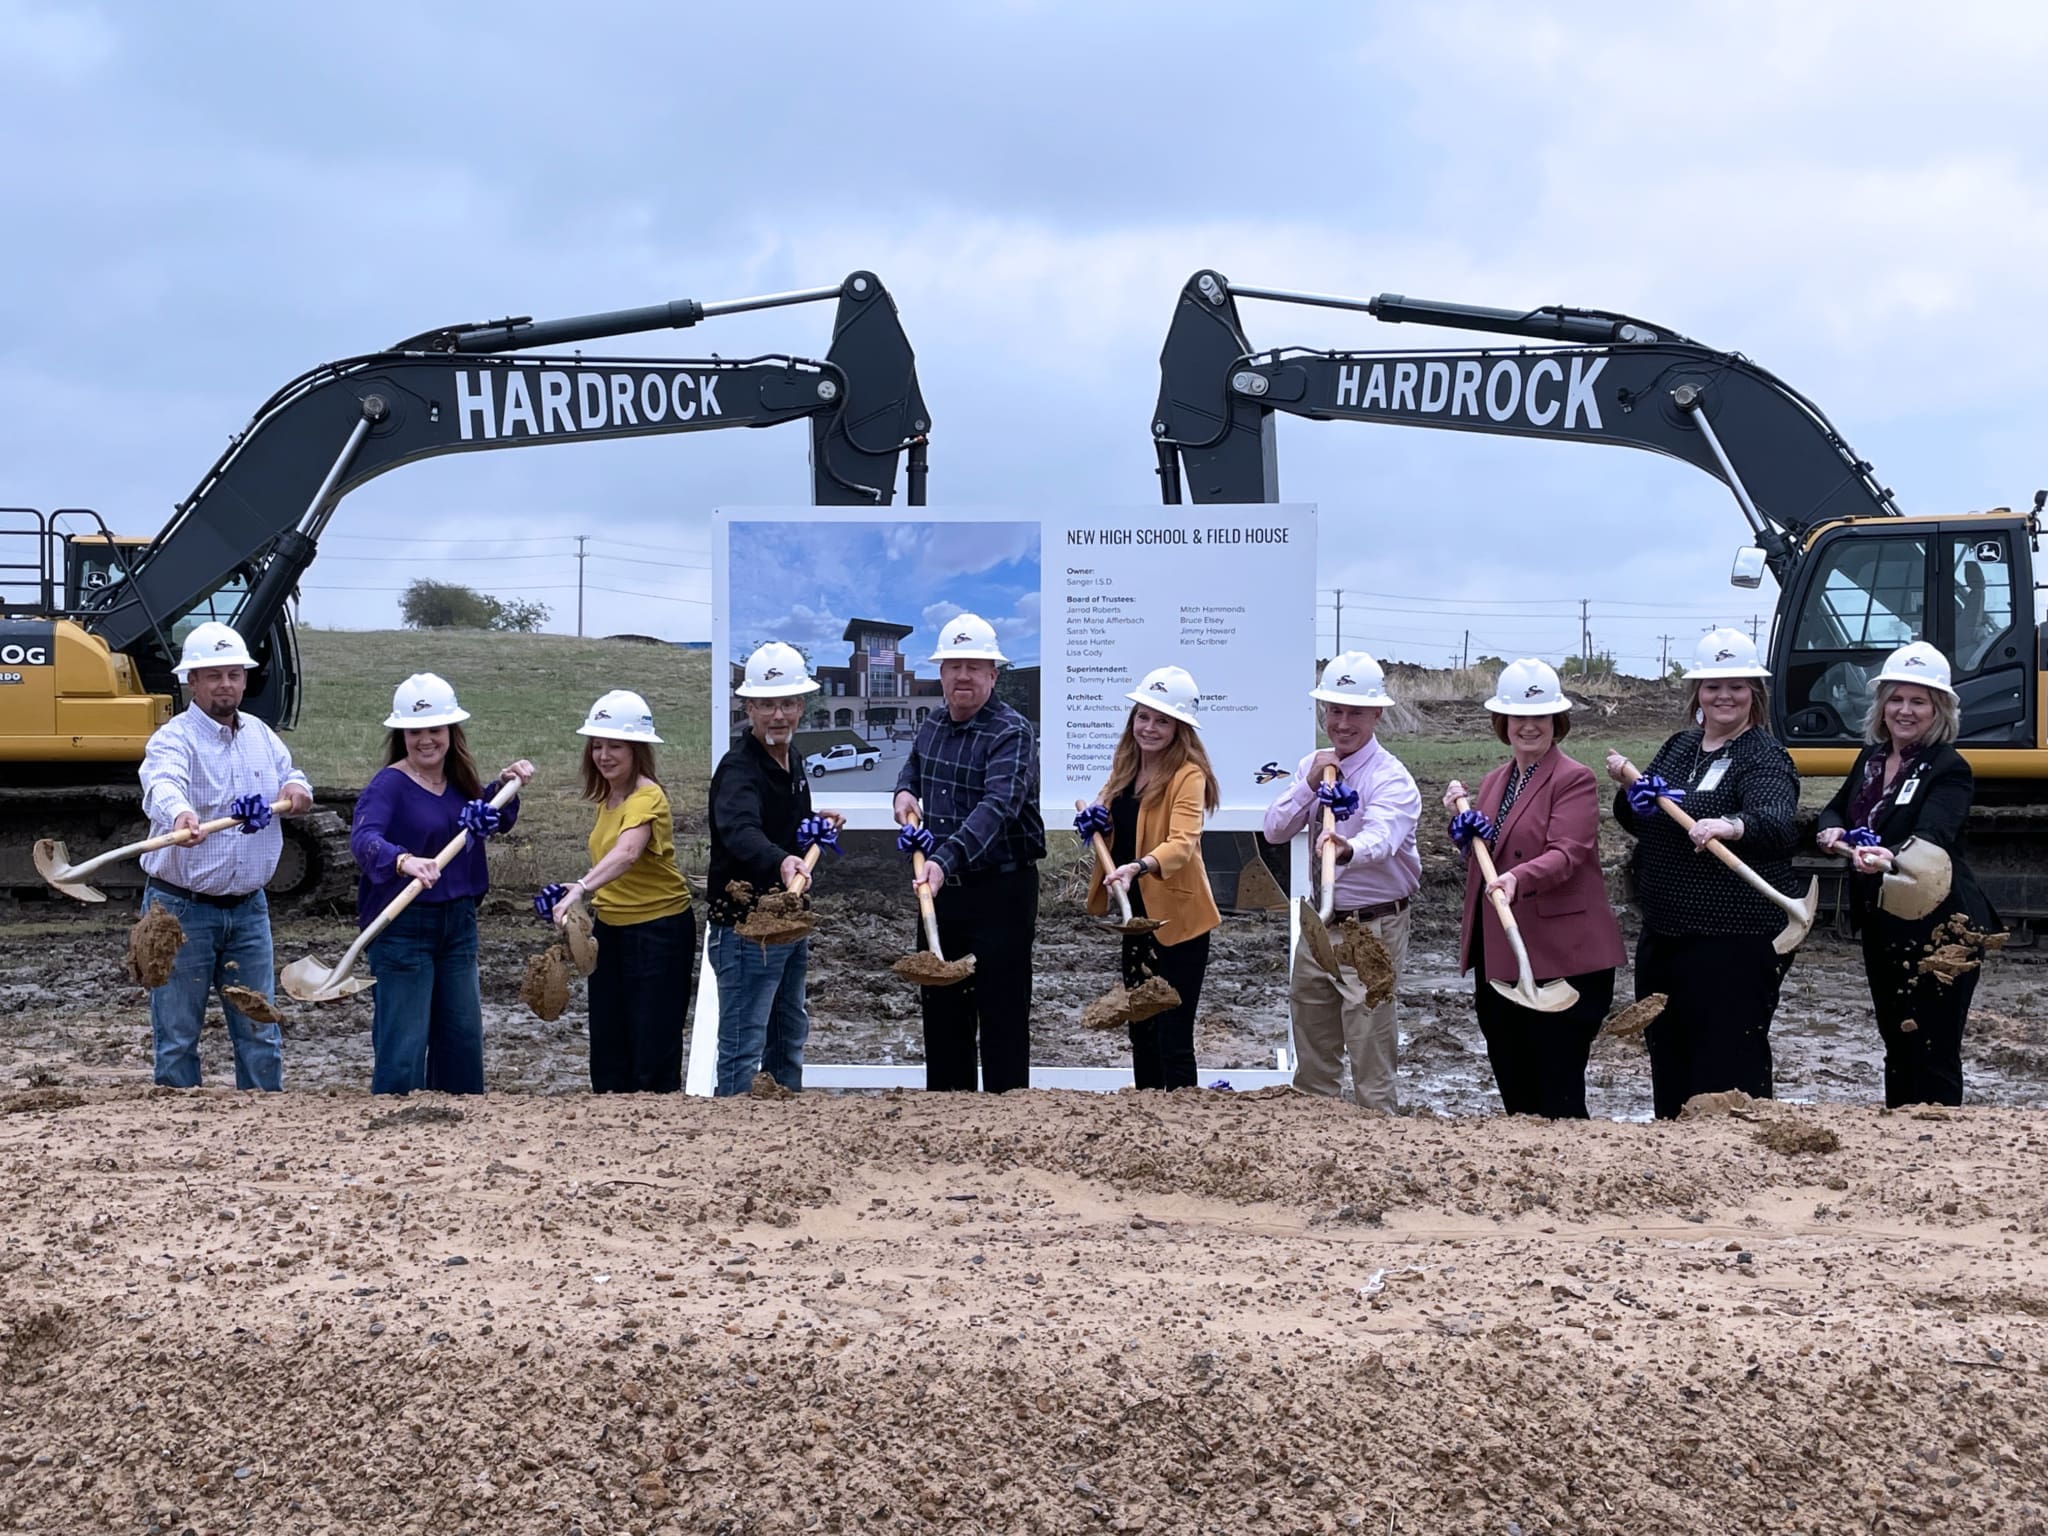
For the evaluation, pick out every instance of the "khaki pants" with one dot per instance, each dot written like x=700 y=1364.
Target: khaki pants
x=1330 y=1019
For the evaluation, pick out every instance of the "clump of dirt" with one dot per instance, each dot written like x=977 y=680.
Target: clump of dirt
x=252 y=1005
x=1154 y=995
x=545 y=987
x=777 y=917
x=1127 y=1005
x=1784 y=1133
x=1955 y=949
x=32 y=1099
x=1636 y=1017
x=153 y=945
x=1707 y=1106
x=928 y=970
x=764 y=1086
x=1108 y=1011
x=1359 y=948
x=417 y=1114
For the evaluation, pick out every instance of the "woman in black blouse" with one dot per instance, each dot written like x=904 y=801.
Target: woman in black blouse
x=1909 y=784
x=1706 y=942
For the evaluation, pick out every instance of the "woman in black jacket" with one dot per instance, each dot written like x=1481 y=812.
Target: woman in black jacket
x=1910 y=785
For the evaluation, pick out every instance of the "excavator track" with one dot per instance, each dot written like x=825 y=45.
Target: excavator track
x=315 y=873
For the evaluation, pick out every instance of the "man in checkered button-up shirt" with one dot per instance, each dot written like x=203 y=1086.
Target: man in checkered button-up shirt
x=194 y=769
x=972 y=775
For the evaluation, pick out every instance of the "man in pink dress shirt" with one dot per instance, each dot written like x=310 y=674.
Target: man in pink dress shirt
x=1378 y=873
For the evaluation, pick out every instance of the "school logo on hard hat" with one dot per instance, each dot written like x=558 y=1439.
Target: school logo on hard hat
x=771 y=674
x=223 y=645
x=600 y=714
x=962 y=638
x=1912 y=661
x=1344 y=682
x=1159 y=687
x=420 y=704
x=1724 y=654
x=1534 y=690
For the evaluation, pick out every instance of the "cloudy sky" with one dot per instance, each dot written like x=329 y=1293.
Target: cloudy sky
x=205 y=199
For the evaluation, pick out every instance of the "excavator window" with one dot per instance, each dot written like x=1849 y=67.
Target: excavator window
x=1983 y=598
x=1866 y=596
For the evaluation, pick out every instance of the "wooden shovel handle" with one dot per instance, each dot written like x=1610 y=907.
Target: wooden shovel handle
x=405 y=898
x=924 y=895
x=177 y=839
x=798 y=883
x=1485 y=856
x=1720 y=850
x=1108 y=864
x=1329 y=901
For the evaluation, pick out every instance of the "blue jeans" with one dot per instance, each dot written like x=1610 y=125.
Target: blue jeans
x=428 y=1031
x=224 y=947
x=762 y=1023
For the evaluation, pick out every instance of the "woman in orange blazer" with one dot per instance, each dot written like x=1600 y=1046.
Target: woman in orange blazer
x=1160 y=788
x=1539 y=814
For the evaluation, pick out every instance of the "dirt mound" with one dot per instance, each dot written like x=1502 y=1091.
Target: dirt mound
x=1636 y=1017
x=1358 y=947
x=1792 y=1136
x=1708 y=1106
x=764 y=1086
x=252 y=1005
x=32 y=1100
x=928 y=970
x=153 y=945
x=545 y=987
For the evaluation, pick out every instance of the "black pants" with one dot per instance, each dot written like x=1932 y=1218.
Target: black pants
x=1715 y=1031
x=1539 y=1059
x=994 y=920
x=640 y=1004
x=1163 y=1046
x=1922 y=1064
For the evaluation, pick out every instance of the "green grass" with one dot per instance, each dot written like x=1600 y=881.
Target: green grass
x=526 y=695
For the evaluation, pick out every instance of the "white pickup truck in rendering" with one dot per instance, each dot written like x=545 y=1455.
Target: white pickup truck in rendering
x=845 y=755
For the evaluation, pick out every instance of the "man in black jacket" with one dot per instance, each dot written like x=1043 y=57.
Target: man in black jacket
x=761 y=820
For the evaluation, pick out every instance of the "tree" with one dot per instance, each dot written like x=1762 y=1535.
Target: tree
x=1575 y=666
x=449 y=605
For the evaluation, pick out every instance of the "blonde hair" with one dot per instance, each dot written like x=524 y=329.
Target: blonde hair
x=1186 y=747
x=1759 y=700
x=1947 y=715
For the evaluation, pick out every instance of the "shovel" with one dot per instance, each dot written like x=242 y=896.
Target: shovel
x=782 y=919
x=1552 y=996
x=55 y=866
x=1127 y=923
x=929 y=968
x=1799 y=912
x=311 y=982
x=1315 y=921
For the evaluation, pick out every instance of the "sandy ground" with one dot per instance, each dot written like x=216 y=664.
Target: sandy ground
x=1051 y=1312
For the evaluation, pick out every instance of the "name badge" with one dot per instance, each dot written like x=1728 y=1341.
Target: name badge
x=1908 y=790
x=1713 y=776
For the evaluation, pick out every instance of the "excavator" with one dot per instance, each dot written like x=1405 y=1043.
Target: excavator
x=91 y=621
x=1857 y=576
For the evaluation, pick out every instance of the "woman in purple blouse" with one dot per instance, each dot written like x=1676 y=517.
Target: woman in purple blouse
x=428 y=1029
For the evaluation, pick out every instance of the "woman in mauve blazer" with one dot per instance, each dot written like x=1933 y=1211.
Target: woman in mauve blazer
x=1160 y=788
x=1539 y=814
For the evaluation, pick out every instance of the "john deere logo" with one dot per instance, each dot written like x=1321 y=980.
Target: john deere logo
x=420 y=704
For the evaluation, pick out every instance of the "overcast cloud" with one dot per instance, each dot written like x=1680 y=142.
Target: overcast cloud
x=204 y=200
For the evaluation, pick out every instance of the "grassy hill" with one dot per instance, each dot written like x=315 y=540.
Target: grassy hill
x=526 y=695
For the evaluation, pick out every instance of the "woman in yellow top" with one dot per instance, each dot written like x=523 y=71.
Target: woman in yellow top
x=1160 y=788
x=646 y=932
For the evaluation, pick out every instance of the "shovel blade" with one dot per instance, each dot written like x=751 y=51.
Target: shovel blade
x=1316 y=934
x=1551 y=997
x=308 y=981
x=53 y=863
x=1801 y=923
x=582 y=940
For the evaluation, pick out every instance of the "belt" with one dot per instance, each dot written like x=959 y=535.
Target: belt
x=1377 y=909
x=985 y=876
x=201 y=897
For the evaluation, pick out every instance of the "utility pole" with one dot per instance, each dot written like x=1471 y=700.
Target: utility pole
x=1585 y=635
x=1466 y=651
x=1340 y=621
x=1754 y=621
x=1664 y=655
x=580 y=557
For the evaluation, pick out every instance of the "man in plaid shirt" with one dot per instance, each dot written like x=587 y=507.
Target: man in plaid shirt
x=972 y=775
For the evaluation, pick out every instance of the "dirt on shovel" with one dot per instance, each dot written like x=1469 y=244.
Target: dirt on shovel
x=775 y=918
x=1359 y=948
x=153 y=945
x=252 y=1005
x=1636 y=1017
x=928 y=970
x=1121 y=1005
x=545 y=987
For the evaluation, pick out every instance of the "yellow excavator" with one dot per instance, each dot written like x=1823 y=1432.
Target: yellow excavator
x=1857 y=576
x=91 y=621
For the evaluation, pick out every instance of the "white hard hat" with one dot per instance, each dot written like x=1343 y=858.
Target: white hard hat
x=968 y=637
x=1917 y=663
x=1353 y=678
x=1171 y=692
x=775 y=671
x=213 y=645
x=1725 y=653
x=622 y=715
x=424 y=700
x=1528 y=687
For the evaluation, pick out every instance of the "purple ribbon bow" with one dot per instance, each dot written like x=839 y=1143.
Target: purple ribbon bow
x=1862 y=837
x=549 y=897
x=816 y=829
x=916 y=839
x=253 y=811
x=1091 y=821
x=480 y=818
x=1339 y=797
x=1467 y=825
x=1644 y=794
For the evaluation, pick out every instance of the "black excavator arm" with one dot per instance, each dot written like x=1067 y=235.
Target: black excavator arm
x=264 y=505
x=1616 y=380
